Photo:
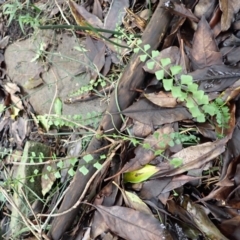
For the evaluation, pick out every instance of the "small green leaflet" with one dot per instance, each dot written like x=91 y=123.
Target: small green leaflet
x=186 y=79
x=71 y=172
x=87 y=158
x=201 y=118
x=176 y=91
x=159 y=74
x=57 y=174
x=176 y=162
x=143 y=57
x=150 y=64
x=146 y=47
x=168 y=84
x=49 y=168
x=73 y=160
x=60 y=164
x=193 y=88
x=175 y=70
x=165 y=61
x=209 y=109
x=58 y=106
x=83 y=170
x=190 y=103
x=97 y=165
x=195 y=111
x=155 y=53
x=136 y=50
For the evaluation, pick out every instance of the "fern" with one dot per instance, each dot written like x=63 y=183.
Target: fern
x=184 y=89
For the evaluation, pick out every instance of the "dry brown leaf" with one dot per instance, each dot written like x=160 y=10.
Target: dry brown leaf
x=141 y=129
x=146 y=112
x=162 y=99
x=229 y=8
x=203 y=222
x=48 y=177
x=196 y=156
x=181 y=10
x=130 y=224
x=204 y=49
x=83 y=17
x=12 y=89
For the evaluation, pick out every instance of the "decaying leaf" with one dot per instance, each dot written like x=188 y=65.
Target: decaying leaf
x=125 y=221
x=216 y=78
x=146 y=112
x=203 y=222
x=204 y=49
x=181 y=10
x=162 y=99
x=48 y=177
x=229 y=8
x=141 y=129
x=12 y=89
x=83 y=17
x=196 y=156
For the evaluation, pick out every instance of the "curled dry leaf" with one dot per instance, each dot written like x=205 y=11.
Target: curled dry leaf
x=203 y=222
x=162 y=99
x=129 y=224
x=83 y=17
x=48 y=177
x=12 y=89
x=196 y=156
x=205 y=7
x=229 y=8
x=133 y=201
x=180 y=10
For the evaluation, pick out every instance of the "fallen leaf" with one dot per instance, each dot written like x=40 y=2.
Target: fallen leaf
x=204 y=49
x=215 y=78
x=83 y=17
x=141 y=129
x=203 y=222
x=140 y=175
x=162 y=99
x=146 y=112
x=48 y=177
x=195 y=156
x=180 y=9
x=125 y=221
x=229 y=8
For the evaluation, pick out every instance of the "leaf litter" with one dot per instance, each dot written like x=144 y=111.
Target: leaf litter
x=165 y=203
